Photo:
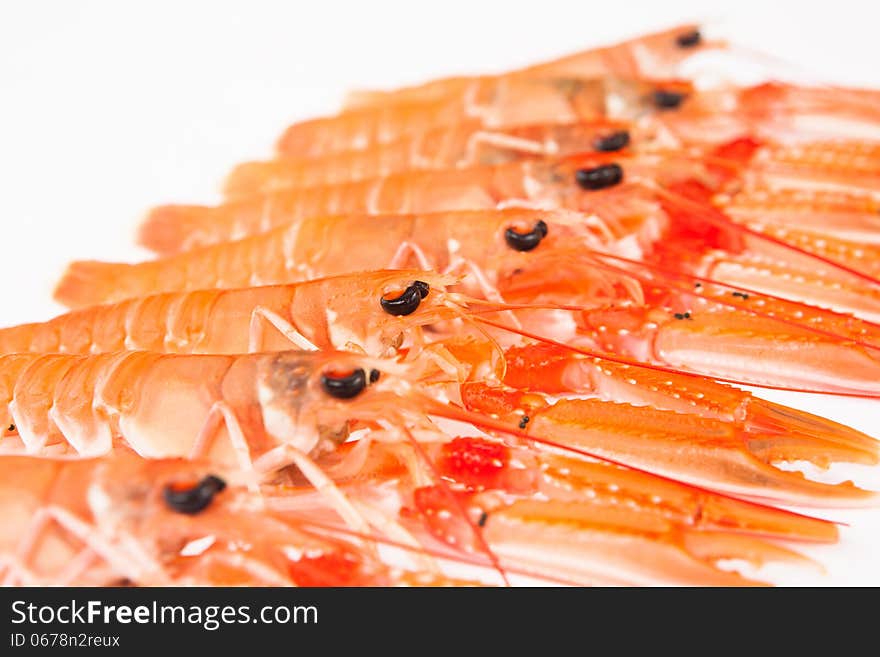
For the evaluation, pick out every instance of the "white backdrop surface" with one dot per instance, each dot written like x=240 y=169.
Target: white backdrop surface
x=107 y=108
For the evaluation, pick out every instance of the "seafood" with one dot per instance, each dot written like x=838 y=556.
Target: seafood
x=234 y=321
x=574 y=183
x=250 y=409
x=686 y=233
x=639 y=305
x=824 y=187
x=265 y=411
x=488 y=321
x=558 y=370
x=764 y=113
x=460 y=145
x=629 y=529
x=228 y=327
x=125 y=520
x=662 y=112
x=626 y=433
x=496 y=483
x=656 y=55
x=830 y=224
x=844 y=167
x=779 y=112
x=675 y=224
x=845 y=216
x=494 y=104
x=814 y=267
x=440 y=241
x=314 y=247
x=345 y=312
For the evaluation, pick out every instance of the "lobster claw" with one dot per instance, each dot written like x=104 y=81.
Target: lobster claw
x=555 y=369
x=704 y=452
x=700 y=451
x=731 y=344
x=589 y=542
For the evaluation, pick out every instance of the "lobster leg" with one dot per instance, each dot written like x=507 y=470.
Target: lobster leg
x=79 y=565
x=262 y=316
x=502 y=141
x=81 y=531
x=287 y=454
x=402 y=255
x=222 y=415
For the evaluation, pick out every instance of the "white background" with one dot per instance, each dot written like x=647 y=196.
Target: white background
x=107 y=108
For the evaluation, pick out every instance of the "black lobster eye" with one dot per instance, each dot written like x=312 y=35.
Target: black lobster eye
x=664 y=99
x=526 y=241
x=374 y=376
x=345 y=387
x=606 y=175
x=613 y=142
x=689 y=39
x=193 y=499
x=408 y=302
